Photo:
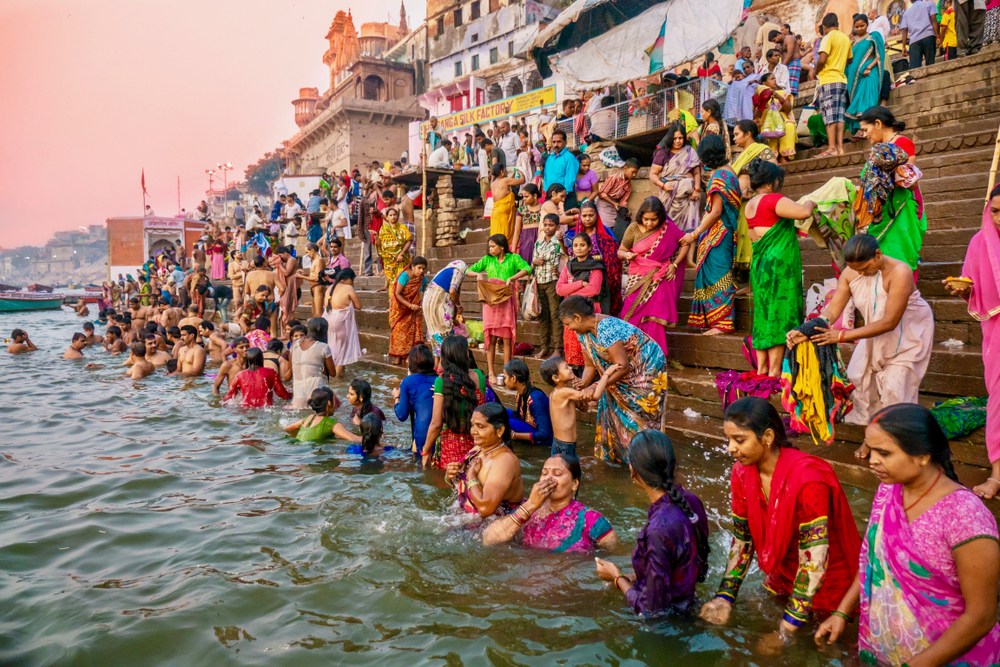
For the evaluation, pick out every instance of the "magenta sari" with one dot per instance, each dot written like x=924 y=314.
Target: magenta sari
x=651 y=300
x=573 y=528
x=982 y=265
x=910 y=592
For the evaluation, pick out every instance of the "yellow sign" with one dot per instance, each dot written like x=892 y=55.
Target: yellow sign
x=534 y=99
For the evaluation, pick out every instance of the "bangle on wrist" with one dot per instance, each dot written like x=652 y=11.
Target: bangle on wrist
x=840 y=336
x=620 y=576
x=840 y=614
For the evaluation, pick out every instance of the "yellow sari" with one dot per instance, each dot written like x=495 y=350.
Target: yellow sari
x=392 y=238
x=744 y=248
x=502 y=218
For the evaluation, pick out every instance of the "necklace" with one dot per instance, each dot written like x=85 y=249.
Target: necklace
x=488 y=453
x=907 y=508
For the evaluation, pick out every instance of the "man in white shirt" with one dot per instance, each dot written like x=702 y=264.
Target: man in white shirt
x=773 y=64
x=292 y=208
x=508 y=143
x=441 y=157
x=485 y=147
x=878 y=23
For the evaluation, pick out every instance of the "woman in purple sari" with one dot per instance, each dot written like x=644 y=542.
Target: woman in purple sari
x=930 y=563
x=676 y=173
x=651 y=246
x=552 y=518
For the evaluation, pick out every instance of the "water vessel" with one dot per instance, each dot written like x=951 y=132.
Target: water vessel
x=11 y=302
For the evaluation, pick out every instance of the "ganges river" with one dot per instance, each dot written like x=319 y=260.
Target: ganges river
x=146 y=524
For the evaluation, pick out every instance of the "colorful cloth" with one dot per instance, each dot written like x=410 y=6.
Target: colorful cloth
x=406 y=326
x=679 y=185
x=734 y=385
x=714 y=287
x=499 y=310
x=982 y=265
x=634 y=403
x=833 y=102
x=342 y=336
x=392 y=238
x=910 y=591
x=319 y=431
x=776 y=281
x=889 y=206
x=604 y=248
x=529 y=232
x=651 y=301
x=960 y=416
x=864 y=92
x=794 y=74
x=815 y=389
x=574 y=528
x=257 y=387
x=439 y=308
x=581 y=279
x=502 y=217
x=741 y=166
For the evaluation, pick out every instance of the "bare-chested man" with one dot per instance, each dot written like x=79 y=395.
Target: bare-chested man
x=140 y=368
x=154 y=354
x=93 y=338
x=318 y=289
x=190 y=355
x=198 y=257
x=20 y=343
x=230 y=367
x=81 y=309
x=215 y=344
x=192 y=319
x=75 y=349
x=140 y=314
x=170 y=316
x=113 y=343
x=260 y=274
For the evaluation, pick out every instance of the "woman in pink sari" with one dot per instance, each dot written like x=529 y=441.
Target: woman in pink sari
x=655 y=271
x=218 y=254
x=982 y=267
x=930 y=563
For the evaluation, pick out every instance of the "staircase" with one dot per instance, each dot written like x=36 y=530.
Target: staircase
x=952 y=114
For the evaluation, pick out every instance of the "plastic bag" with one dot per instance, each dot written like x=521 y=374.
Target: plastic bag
x=531 y=307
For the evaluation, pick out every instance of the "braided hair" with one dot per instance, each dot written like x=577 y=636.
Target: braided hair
x=651 y=456
x=457 y=388
x=917 y=433
x=517 y=369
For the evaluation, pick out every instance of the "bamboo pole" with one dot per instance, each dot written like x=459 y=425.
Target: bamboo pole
x=993 y=166
x=424 y=198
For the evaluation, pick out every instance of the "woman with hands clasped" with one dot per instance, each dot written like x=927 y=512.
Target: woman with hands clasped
x=488 y=481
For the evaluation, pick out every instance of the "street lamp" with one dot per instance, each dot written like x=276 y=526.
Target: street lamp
x=224 y=167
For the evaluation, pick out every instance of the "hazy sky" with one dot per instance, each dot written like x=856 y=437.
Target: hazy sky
x=96 y=90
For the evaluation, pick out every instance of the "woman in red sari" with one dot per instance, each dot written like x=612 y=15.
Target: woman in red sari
x=789 y=508
x=651 y=246
x=406 y=317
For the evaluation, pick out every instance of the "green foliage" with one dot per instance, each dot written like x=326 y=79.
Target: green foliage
x=260 y=176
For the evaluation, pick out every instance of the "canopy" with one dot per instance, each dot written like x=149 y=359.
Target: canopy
x=613 y=44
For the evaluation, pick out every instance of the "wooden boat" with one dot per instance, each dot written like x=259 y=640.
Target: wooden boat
x=13 y=302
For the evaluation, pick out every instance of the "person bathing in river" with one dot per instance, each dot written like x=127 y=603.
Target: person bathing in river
x=190 y=355
x=154 y=354
x=321 y=425
x=215 y=345
x=140 y=368
x=564 y=398
x=488 y=481
x=113 y=343
x=530 y=421
x=232 y=367
x=20 y=343
x=75 y=349
x=92 y=338
x=257 y=385
x=359 y=395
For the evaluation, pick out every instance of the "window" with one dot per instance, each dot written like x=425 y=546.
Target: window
x=474 y=11
x=440 y=26
x=458 y=68
x=510 y=49
x=475 y=63
x=458 y=17
x=494 y=55
x=475 y=37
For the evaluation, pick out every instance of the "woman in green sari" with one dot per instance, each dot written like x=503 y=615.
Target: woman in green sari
x=864 y=72
x=776 y=269
x=746 y=137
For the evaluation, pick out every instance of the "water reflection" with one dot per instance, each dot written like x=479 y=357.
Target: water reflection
x=142 y=519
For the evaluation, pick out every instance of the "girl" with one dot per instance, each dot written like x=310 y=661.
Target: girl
x=322 y=425
x=456 y=394
x=406 y=321
x=529 y=215
x=583 y=276
x=360 y=396
x=530 y=421
x=257 y=384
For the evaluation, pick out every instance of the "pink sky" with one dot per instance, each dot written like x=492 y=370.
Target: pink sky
x=95 y=91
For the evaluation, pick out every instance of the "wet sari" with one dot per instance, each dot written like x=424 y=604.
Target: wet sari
x=864 y=91
x=741 y=165
x=676 y=176
x=910 y=591
x=406 y=327
x=574 y=528
x=503 y=216
x=714 y=287
x=776 y=281
x=637 y=401
x=392 y=238
x=651 y=301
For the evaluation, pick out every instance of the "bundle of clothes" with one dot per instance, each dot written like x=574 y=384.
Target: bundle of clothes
x=816 y=391
x=887 y=167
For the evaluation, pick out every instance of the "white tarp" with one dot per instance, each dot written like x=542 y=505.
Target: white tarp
x=694 y=27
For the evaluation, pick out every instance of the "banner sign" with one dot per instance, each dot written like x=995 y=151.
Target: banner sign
x=534 y=99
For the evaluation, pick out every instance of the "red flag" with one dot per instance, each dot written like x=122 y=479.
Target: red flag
x=144 y=181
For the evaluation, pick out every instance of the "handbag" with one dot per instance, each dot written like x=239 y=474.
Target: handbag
x=531 y=307
x=802 y=128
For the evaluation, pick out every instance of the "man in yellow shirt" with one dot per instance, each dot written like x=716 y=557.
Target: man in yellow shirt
x=831 y=76
x=947 y=37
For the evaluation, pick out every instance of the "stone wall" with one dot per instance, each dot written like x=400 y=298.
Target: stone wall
x=449 y=216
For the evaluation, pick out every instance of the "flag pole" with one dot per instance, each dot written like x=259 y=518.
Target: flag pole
x=178 y=195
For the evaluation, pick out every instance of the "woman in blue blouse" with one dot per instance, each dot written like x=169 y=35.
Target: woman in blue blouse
x=530 y=420
x=414 y=398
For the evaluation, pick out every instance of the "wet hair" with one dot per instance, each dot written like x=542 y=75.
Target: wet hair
x=712 y=152
x=263 y=323
x=298 y=328
x=831 y=21
x=187 y=328
x=860 y=248
x=275 y=345
x=530 y=189
x=258 y=261
x=884 y=116
x=497 y=170
x=255 y=358
x=497 y=417
x=576 y=305
x=319 y=399
x=917 y=433
x=757 y=415
x=21 y=332
x=172 y=331
x=88 y=326
x=517 y=369
x=419 y=261
x=171 y=365
x=138 y=348
x=205 y=324
x=420 y=360
x=457 y=388
x=860 y=17
x=553 y=217
x=500 y=240
x=317 y=328
x=764 y=173
x=554 y=189
x=371 y=429
x=364 y=392
x=344 y=274
x=749 y=127
x=651 y=456
x=549 y=369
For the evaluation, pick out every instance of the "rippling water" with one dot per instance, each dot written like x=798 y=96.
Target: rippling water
x=143 y=523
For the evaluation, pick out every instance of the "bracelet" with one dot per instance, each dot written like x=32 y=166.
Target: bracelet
x=518 y=522
x=527 y=514
x=840 y=336
x=620 y=576
x=472 y=482
x=842 y=615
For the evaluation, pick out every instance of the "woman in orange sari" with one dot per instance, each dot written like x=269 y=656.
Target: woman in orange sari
x=406 y=319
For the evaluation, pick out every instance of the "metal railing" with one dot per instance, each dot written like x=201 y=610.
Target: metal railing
x=650 y=112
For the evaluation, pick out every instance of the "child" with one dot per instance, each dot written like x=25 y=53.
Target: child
x=564 y=398
x=530 y=420
x=548 y=251
x=371 y=433
x=948 y=41
x=140 y=367
x=320 y=426
x=360 y=396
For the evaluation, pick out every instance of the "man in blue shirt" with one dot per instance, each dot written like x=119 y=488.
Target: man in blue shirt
x=561 y=167
x=313 y=204
x=279 y=204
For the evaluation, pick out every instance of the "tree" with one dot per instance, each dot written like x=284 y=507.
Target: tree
x=260 y=176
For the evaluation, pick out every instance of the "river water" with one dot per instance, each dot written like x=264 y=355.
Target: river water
x=143 y=523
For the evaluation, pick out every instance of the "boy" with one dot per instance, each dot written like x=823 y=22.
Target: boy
x=140 y=367
x=93 y=338
x=564 y=398
x=548 y=251
x=947 y=39
x=113 y=343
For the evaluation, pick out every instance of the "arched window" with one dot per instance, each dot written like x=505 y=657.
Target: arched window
x=373 y=88
x=494 y=93
x=514 y=87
